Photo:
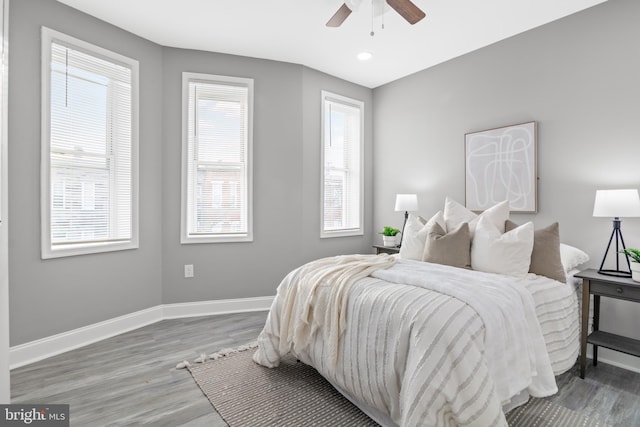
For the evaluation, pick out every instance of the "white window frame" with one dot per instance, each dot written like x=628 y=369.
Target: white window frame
x=185 y=236
x=359 y=231
x=48 y=250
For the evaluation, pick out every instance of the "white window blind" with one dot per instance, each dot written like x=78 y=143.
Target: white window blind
x=217 y=159
x=89 y=148
x=342 y=179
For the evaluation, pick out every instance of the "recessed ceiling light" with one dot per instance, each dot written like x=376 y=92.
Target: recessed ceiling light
x=365 y=56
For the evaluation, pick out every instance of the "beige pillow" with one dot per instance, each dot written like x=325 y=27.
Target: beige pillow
x=415 y=234
x=452 y=248
x=545 y=257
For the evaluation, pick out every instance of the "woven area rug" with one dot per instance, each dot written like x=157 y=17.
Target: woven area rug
x=294 y=394
x=542 y=413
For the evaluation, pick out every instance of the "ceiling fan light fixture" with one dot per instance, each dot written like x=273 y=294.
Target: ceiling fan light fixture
x=365 y=56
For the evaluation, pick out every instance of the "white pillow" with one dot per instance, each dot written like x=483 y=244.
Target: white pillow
x=572 y=257
x=415 y=235
x=495 y=252
x=455 y=214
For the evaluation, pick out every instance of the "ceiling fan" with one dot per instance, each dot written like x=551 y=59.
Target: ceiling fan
x=405 y=8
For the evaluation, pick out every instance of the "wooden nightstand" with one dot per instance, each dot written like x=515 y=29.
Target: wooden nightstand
x=611 y=287
x=386 y=249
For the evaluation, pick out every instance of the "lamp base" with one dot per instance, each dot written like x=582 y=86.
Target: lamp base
x=406 y=216
x=615 y=273
x=617 y=235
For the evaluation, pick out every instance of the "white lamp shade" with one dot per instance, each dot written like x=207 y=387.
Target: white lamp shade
x=406 y=202
x=617 y=203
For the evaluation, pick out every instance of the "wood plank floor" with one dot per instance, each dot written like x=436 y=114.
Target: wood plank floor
x=131 y=379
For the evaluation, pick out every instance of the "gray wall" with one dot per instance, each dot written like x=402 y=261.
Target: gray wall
x=577 y=77
x=286 y=149
x=57 y=295
x=314 y=82
x=236 y=270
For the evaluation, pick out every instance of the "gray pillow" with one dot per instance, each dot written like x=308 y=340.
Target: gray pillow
x=545 y=257
x=453 y=248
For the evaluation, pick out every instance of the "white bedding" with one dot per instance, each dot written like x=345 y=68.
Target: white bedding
x=513 y=340
x=421 y=357
x=558 y=312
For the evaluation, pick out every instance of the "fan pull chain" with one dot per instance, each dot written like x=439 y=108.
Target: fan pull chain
x=372 y=15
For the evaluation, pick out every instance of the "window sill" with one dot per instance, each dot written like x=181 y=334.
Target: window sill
x=86 y=249
x=189 y=240
x=341 y=233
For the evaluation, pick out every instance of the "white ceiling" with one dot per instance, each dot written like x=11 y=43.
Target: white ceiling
x=294 y=30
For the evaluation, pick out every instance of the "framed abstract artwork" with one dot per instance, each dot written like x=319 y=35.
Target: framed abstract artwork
x=500 y=164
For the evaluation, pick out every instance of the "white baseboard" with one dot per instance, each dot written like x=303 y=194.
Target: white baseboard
x=34 y=351
x=27 y=353
x=206 y=308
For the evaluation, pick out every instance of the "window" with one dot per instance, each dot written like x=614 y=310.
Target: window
x=89 y=148
x=216 y=153
x=342 y=170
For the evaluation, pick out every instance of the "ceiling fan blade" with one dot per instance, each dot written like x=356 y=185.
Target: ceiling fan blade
x=407 y=10
x=338 y=18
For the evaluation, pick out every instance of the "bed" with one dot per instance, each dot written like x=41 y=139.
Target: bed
x=415 y=343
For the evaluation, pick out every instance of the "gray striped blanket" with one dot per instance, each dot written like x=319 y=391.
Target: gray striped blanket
x=418 y=356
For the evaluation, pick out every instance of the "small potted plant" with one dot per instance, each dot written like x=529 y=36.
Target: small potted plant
x=634 y=254
x=389 y=236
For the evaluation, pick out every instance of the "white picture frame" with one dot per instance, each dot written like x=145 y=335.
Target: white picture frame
x=501 y=164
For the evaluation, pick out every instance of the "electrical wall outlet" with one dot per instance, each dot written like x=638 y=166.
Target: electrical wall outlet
x=188 y=270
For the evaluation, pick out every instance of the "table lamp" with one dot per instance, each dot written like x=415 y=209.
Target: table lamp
x=616 y=204
x=406 y=203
